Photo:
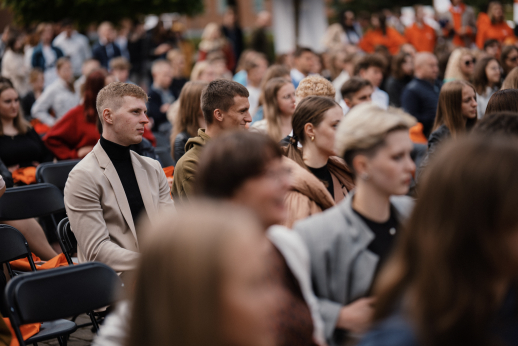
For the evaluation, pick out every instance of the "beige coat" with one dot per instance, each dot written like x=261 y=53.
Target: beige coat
x=309 y=196
x=99 y=212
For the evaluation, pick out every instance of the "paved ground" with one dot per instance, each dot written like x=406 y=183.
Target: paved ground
x=82 y=336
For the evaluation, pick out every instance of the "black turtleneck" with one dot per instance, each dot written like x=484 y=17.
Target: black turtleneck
x=121 y=159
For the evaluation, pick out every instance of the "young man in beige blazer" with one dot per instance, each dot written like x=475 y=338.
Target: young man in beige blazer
x=113 y=187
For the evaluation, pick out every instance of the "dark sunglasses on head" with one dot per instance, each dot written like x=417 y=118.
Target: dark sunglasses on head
x=469 y=62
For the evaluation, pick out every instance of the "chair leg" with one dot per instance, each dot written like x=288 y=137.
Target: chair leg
x=94 y=321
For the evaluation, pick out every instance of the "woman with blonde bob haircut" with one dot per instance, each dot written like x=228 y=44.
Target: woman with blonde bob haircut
x=189 y=118
x=278 y=100
x=452 y=279
x=320 y=179
x=350 y=242
x=201 y=280
x=461 y=65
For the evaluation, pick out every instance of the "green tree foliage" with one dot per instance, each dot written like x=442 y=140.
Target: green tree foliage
x=88 y=11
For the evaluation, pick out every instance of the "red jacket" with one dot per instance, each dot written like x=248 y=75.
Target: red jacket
x=71 y=133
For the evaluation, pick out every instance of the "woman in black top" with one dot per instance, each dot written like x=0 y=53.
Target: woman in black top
x=189 y=118
x=314 y=125
x=456 y=112
x=20 y=146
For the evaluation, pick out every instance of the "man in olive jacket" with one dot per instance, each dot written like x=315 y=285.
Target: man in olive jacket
x=225 y=107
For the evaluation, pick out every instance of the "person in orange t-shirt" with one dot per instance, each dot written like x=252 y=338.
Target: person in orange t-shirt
x=460 y=23
x=419 y=34
x=496 y=28
x=381 y=35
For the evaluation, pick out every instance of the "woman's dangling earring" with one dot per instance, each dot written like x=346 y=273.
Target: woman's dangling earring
x=312 y=138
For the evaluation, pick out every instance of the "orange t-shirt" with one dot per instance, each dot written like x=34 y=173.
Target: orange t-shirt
x=500 y=32
x=392 y=40
x=422 y=38
x=457 y=24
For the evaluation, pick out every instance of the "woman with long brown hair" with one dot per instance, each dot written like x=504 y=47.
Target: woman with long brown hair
x=247 y=169
x=274 y=71
x=189 y=118
x=486 y=80
x=278 y=100
x=75 y=134
x=21 y=149
x=452 y=279
x=201 y=281
x=320 y=179
x=456 y=112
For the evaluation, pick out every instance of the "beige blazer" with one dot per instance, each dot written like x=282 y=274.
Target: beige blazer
x=99 y=212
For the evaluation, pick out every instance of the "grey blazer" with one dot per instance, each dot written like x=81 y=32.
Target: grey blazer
x=342 y=268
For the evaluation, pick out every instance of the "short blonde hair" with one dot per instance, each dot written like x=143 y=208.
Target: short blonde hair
x=367 y=125
x=315 y=86
x=111 y=96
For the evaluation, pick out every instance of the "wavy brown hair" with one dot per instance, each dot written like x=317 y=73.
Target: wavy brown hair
x=449 y=108
x=189 y=111
x=19 y=122
x=453 y=252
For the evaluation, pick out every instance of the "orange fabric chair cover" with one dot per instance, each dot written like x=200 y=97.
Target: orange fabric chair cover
x=22 y=264
x=27 y=330
x=39 y=127
x=169 y=171
x=26 y=175
x=416 y=134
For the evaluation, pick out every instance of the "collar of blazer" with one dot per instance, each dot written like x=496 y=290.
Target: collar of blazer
x=359 y=231
x=142 y=179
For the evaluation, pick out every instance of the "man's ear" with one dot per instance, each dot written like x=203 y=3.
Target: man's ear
x=218 y=115
x=348 y=102
x=107 y=116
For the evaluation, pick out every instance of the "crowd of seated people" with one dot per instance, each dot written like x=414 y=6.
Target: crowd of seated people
x=362 y=193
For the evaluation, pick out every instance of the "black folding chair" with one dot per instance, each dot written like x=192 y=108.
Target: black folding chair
x=26 y=202
x=13 y=246
x=49 y=295
x=67 y=240
x=55 y=173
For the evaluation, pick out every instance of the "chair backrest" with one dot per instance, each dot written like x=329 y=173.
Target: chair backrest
x=63 y=292
x=3 y=306
x=30 y=201
x=55 y=173
x=13 y=245
x=67 y=239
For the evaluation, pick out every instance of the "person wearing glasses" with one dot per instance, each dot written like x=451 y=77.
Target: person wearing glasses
x=508 y=59
x=461 y=65
x=496 y=28
x=278 y=100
